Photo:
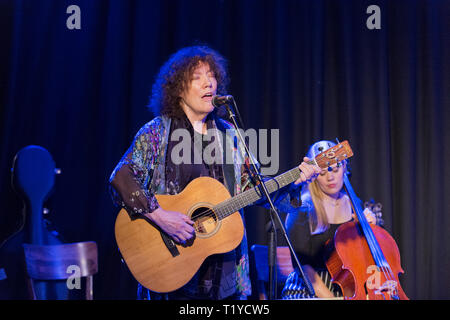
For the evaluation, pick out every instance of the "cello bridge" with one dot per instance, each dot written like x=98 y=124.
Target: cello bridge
x=389 y=288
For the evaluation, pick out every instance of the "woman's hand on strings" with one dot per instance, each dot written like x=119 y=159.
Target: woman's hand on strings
x=175 y=224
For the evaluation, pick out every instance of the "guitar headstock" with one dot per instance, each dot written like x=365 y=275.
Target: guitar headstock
x=339 y=152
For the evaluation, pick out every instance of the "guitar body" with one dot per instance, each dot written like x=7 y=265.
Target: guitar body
x=147 y=255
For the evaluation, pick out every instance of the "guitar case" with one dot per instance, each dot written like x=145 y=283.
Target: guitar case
x=32 y=178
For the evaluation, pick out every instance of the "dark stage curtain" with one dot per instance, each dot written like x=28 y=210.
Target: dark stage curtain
x=312 y=69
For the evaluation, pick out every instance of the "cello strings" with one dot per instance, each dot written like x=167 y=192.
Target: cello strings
x=379 y=258
x=384 y=267
x=370 y=237
x=383 y=264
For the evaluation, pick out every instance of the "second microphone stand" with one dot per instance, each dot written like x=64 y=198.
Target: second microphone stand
x=274 y=216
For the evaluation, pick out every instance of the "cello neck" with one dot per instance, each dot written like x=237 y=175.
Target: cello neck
x=355 y=203
x=374 y=247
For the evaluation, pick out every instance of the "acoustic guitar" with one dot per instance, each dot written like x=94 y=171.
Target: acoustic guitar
x=162 y=265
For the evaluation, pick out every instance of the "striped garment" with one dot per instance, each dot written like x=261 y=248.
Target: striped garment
x=295 y=287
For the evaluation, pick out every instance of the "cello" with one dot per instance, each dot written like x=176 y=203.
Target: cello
x=364 y=260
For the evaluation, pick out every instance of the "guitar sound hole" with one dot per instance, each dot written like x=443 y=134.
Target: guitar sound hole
x=205 y=220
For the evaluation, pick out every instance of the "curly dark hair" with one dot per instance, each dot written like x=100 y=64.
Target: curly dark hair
x=175 y=76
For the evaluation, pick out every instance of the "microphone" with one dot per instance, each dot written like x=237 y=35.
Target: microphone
x=220 y=100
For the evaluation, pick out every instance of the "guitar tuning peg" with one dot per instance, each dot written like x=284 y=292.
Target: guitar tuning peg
x=58 y=171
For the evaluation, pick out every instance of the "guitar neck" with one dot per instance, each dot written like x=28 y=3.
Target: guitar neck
x=252 y=195
x=324 y=159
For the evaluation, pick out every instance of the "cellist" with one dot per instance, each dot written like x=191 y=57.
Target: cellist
x=325 y=206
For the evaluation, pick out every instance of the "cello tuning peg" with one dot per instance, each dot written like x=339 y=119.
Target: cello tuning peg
x=58 y=171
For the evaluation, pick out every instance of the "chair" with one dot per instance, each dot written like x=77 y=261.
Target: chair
x=284 y=267
x=57 y=262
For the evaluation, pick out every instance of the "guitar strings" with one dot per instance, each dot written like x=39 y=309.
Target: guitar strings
x=211 y=212
x=249 y=193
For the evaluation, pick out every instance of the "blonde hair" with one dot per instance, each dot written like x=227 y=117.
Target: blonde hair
x=318 y=220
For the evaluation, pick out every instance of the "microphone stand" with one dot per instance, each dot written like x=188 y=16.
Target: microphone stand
x=274 y=216
x=272 y=258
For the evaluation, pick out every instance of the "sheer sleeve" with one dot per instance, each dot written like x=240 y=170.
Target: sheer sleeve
x=130 y=179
